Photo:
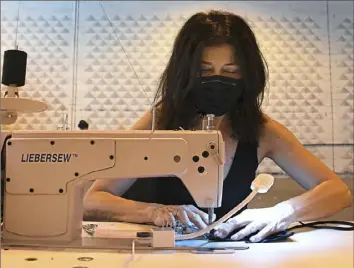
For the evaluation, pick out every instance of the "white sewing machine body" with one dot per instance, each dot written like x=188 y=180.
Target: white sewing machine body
x=45 y=172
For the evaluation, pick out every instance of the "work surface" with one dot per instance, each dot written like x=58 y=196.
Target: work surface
x=307 y=248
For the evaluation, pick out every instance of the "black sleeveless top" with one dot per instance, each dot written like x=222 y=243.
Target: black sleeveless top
x=171 y=191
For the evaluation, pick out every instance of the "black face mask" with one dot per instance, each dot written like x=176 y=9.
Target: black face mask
x=217 y=94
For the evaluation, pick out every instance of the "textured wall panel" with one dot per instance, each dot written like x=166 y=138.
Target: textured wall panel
x=342 y=45
x=45 y=32
x=344 y=159
x=342 y=62
x=294 y=41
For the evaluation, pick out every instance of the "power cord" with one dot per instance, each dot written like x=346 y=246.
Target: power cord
x=325 y=225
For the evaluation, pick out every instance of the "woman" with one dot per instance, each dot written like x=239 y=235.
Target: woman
x=216 y=67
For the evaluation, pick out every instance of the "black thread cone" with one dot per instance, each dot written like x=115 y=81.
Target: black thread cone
x=14 y=68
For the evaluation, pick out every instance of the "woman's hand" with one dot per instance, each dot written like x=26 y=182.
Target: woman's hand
x=262 y=221
x=188 y=214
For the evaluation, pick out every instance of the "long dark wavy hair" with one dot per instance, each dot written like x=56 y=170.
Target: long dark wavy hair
x=176 y=105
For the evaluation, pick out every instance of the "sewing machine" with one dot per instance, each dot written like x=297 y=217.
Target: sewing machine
x=45 y=173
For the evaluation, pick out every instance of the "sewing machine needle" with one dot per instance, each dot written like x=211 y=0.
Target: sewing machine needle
x=210 y=215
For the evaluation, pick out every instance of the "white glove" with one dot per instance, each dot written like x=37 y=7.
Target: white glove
x=264 y=220
x=187 y=214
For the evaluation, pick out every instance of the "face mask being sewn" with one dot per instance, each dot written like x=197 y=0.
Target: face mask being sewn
x=217 y=94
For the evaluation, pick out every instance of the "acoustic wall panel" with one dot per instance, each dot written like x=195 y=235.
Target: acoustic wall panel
x=45 y=32
x=342 y=46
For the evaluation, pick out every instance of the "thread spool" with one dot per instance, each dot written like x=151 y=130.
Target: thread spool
x=14 y=76
x=14 y=68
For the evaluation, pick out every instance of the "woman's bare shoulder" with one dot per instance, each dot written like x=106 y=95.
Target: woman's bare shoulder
x=145 y=121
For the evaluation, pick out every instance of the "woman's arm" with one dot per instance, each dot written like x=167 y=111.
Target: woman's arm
x=327 y=194
x=102 y=201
